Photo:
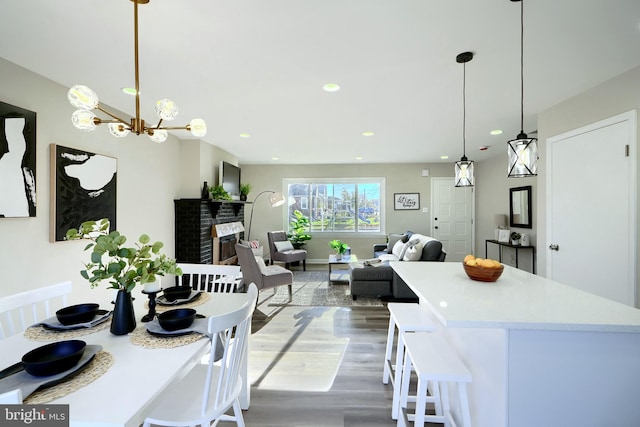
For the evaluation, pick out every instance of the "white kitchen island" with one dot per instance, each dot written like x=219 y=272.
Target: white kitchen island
x=542 y=354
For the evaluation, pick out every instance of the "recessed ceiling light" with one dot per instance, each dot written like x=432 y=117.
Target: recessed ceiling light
x=444 y=157
x=275 y=158
x=129 y=90
x=359 y=158
x=496 y=132
x=331 y=87
x=368 y=133
x=245 y=135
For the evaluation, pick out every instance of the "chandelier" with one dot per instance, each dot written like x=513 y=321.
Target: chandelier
x=85 y=100
x=464 y=168
x=522 y=151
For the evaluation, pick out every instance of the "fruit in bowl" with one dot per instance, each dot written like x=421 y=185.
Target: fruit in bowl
x=481 y=269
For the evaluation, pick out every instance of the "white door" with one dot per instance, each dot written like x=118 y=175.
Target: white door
x=591 y=208
x=452 y=217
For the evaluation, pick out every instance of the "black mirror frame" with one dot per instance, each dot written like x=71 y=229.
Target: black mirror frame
x=512 y=223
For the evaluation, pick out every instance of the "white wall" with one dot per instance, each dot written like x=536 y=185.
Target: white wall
x=149 y=179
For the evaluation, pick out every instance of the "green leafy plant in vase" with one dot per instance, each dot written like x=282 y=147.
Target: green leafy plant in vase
x=122 y=266
x=515 y=238
x=219 y=193
x=299 y=228
x=245 y=189
x=339 y=248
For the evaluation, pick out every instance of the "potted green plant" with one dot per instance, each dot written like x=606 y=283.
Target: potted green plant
x=121 y=266
x=245 y=189
x=515 y=238
x=299 y=229
x=219 y=193
x=339 y=248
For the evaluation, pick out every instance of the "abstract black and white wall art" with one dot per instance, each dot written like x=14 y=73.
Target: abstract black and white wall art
x=83 y=189
x=17 y=162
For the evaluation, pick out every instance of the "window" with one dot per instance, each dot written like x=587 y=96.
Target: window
x=337 y=205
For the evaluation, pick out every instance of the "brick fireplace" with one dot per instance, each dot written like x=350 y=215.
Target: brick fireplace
x=194 y=219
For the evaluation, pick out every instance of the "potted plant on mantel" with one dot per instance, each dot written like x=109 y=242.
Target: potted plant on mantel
x=339 y=248
x=245 y=189
x=219 y=193
x=121 y=266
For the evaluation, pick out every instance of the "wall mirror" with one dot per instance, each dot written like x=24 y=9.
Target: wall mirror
x=520 y=207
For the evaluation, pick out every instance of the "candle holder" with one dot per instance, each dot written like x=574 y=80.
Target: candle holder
x=152 y=306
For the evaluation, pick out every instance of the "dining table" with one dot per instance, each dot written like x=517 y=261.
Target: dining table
x=123 y=395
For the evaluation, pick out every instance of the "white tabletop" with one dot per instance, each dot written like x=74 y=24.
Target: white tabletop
x=518 y=300
x=122 y=396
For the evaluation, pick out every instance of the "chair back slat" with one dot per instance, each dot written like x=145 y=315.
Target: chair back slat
x=209 y=277
x=233 y=332
x=19 y=311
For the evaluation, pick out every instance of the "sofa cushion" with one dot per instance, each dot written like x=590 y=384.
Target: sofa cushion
x=393 y=238
x=283 y=246
x=399 y=249
x=414 y=250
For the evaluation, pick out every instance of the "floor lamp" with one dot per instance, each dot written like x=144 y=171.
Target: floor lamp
x=276 y=199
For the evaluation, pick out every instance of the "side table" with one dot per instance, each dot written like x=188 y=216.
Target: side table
x=516 y=247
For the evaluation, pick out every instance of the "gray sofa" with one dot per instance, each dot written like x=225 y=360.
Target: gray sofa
x=379 y=279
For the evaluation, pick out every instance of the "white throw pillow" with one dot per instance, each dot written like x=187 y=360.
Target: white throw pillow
x=261 y=265
x=283 y=246
x=414 y=250
x=398 y=249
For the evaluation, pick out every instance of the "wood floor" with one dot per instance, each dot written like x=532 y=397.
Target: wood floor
x=356 y=396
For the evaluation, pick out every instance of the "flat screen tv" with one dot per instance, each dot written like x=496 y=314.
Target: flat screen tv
x=230 y=179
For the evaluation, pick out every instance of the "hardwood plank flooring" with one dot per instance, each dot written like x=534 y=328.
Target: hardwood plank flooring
x=338 y=348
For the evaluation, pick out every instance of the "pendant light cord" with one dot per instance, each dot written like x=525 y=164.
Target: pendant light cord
x=521 y=66
x=464 y=109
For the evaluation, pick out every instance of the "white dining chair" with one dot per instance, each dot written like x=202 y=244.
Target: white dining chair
x=11 y=397
x=209 y=277
x=19 y=311
x=207 y=392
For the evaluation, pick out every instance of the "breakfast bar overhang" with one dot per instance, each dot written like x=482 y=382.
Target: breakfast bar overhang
x=541 y=353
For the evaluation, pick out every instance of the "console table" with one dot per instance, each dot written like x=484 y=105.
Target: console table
x=516 y=247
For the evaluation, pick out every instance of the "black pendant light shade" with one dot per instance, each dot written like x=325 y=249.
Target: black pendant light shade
x=522 y=151
x=464 y=168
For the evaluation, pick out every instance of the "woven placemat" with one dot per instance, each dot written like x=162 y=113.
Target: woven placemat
x=203 y=298
x=101 y=362
x=39 y=333
x=142 y=338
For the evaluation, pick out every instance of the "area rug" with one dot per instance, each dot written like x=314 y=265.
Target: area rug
x=312 y=288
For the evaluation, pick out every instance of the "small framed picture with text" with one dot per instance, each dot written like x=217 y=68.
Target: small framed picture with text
x=406 y=201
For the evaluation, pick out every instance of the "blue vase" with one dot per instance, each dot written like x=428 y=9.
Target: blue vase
x=124 y=319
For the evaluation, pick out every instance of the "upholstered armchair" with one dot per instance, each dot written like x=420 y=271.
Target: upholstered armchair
x=254 y=270
x=281 y=249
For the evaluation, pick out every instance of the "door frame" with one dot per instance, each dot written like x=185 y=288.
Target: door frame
x=630 y=117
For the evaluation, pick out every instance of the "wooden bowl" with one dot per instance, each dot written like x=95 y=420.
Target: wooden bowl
x=483 y=274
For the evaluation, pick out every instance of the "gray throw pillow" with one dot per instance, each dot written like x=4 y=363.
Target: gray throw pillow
x=283 y=246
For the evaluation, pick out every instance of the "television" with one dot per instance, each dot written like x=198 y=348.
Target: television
x=230 y=179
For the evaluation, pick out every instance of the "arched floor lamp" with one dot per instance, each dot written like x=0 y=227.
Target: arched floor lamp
x=276 y=199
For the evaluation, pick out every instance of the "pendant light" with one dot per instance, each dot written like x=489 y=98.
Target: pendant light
x=522 y=151
x=464 y=168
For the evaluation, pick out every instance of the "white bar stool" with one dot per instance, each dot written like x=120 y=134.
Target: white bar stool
x=406 y=317
x=433 y=361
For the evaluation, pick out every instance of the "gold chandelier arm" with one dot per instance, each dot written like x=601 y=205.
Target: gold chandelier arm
x=187 y=127
x=116 y=118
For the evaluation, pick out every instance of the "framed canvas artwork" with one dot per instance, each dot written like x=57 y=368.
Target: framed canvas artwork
x=406 y=201
x=17 y=162
x=83 y=188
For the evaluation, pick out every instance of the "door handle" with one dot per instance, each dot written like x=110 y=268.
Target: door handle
x=554 y=247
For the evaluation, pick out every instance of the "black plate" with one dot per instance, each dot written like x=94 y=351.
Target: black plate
x=73 y=328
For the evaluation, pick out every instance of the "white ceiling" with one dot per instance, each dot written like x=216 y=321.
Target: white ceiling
x=258 y=66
